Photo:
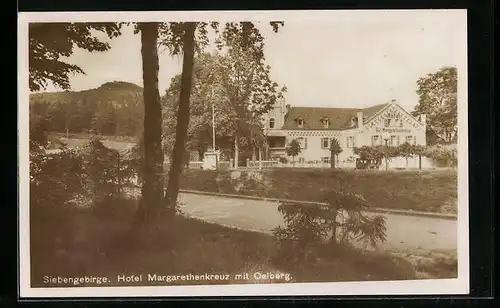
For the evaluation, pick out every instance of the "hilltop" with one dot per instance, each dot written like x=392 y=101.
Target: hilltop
x=114 y=108
x=106 y=90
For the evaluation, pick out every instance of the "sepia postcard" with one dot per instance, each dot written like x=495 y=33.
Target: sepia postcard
x=243 y=153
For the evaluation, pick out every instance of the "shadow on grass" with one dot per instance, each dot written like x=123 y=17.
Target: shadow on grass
x=97 y=242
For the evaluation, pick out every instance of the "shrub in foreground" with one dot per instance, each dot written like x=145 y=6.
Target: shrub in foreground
x=341 y=220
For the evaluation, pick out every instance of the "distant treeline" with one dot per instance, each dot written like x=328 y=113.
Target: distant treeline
x=115 y=108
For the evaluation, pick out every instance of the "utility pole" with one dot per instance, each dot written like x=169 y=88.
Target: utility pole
x=213 y=127
x=386 y=137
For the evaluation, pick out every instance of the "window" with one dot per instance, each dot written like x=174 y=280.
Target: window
x=394 y=140
x=350 y=142
x=300 y=122
x=271 y=123
x=301 y=160
x=326 y=123
x=393 y=119
x=376 y=140
x=326 y=159
x=409 y=139
x=303 y=142
x=324 y=143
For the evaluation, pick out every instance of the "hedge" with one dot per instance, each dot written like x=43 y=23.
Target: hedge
x=431 y=191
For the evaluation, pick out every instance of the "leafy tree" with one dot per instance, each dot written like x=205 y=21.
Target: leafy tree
x=104 y=120
x=293 y=149
x=50 y=42
x=209 y=89
x=420 y=151
x=335 y=149
x=38 y=126
x=204 y=94
x=181 y=36
x=248 y=91
x=438 y=100
x=106 y=171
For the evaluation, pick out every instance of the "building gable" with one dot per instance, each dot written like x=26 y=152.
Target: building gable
x=391 y=111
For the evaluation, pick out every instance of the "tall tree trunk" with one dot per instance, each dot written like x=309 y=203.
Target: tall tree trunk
x=182 y=117
x=419 y=161
x=236 y=151
x=332 y=160
x=152 y=170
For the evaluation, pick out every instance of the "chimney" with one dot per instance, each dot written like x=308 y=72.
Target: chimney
x=422 y=119
x=393 y=101
x=359 y=115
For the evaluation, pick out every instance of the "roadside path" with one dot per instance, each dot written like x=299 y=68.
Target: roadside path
x=404 y=233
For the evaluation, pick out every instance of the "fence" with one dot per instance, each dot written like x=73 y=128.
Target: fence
x=278 y=164
x=225 y=164
x=393 y=163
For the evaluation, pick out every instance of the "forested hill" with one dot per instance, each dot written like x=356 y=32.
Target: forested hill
x=114 y=108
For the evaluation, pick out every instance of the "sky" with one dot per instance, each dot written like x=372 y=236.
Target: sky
x=348 y=59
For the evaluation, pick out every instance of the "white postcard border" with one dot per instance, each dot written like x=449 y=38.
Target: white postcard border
x=412 y=287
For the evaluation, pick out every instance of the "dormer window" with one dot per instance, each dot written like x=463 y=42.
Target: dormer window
x=354 y=121
x=271 y=123
x=300 y=122
x=326 y=122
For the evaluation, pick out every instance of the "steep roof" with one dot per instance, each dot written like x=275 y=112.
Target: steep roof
x=339 y=118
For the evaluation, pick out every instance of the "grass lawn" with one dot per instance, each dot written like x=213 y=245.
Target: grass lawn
x=418 y=190
x=91 y=242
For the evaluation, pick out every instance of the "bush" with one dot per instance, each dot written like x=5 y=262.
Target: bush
x=56 y=179
x=340 y=220
x=443 y=157
x=283 y=160
x=76 y=176
x=107 y=172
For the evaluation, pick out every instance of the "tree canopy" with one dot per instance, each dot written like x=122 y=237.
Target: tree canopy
x=239 y=87
x=438 y=100
x=50 y=43
x=293 y=149
x=335 y=149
